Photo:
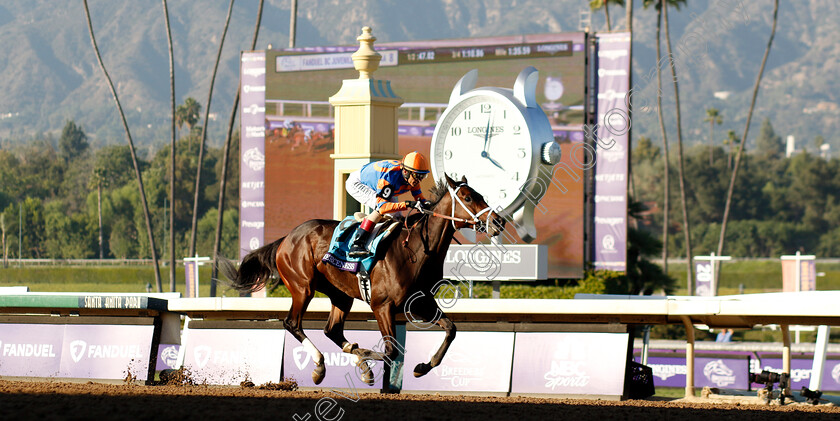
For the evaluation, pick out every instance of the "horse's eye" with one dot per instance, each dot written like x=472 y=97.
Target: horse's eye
x=467 y=199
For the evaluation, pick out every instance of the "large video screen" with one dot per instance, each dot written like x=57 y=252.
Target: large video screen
x=299 y=121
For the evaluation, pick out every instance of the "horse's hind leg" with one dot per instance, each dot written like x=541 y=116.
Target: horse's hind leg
x=292 y=323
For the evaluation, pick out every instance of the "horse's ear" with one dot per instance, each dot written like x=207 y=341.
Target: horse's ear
x=464 y=179
x=449 y=181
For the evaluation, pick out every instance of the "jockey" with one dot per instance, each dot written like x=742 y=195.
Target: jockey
x=377 y=186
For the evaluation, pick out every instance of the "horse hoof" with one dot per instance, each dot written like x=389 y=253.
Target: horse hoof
x=367 y=374
x=318 y=374
x=421 y=369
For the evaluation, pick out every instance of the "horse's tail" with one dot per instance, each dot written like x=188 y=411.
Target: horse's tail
x=255 y=271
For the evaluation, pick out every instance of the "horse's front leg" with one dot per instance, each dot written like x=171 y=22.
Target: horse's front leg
x=426 y=308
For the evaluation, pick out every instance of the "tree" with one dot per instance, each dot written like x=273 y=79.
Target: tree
x=734 y=177
x=730 y=141
x=712 y=117
x=226 y=154
x=768 y=143
x=193 y=225
x=666 y=177
x=187 y=113
x=680 y=155
x=604 y=4
x=190 y=117
x=73 y=141
x=145 y=205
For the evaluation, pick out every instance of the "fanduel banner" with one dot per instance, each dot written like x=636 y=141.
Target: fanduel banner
x=612 y=146
x=252 y=147
x=75 y=351
x=475 y=362
x=579 y=363
x=341 y=367
x=229 y=356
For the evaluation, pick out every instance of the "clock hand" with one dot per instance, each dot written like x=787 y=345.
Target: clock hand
x=484 y=154
x=487 y=135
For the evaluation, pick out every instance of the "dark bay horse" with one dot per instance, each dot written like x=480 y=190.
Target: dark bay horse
x=412 y=263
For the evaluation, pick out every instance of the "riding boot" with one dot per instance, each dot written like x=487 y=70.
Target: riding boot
x=358 y=248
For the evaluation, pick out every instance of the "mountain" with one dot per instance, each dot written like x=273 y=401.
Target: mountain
x=49 y=73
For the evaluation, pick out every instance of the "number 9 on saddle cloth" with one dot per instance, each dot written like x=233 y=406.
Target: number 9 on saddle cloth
x=340 y=243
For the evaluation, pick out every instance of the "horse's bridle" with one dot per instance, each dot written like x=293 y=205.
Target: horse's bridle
x=475 y=217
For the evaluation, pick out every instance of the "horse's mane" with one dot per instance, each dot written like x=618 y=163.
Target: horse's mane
x=438 y=191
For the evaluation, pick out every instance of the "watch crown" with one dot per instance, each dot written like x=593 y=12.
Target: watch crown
x=550 y=153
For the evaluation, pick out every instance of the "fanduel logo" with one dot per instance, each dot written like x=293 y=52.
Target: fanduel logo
x=835 y=373
x=331 y=359
x=26 y=350
x=718 y=373
x=201 y=354
x=77 y=349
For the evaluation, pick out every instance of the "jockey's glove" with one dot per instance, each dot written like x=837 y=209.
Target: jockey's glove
x=416 y=204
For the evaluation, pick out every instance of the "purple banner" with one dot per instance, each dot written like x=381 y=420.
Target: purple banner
x=252 y=166
x=612 y=145
x=230 y=356
x=30 y=350
x=726 y=373
x=341 y=366
x=705 y=278
x=475 y=362
x=800 y=371
x=569 y=363
x=167 y=357
x=76 y=351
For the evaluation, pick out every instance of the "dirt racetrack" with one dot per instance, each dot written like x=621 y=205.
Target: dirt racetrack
x=54 y=400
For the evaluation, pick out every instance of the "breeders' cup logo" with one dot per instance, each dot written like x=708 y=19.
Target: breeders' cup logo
x=254 y=243
x=201 y=354
x=718 y=373
x=169 y=356
x=608 y=242
x=77 y=349
x=459 y=369
x=254 y=159
x=835 y=373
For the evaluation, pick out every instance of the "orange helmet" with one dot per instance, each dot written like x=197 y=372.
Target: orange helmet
x=416 y=162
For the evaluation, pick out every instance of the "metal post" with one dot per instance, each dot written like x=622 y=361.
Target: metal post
x=689 y=356
x=786 y=354
x=819 y=358
x=646 y=345
x=20 y=232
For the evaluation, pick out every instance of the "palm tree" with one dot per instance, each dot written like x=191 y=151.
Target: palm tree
x=172 y=153
x=187 y=113
x=666 y=176
x=225 y=156
x=680 y=162
x=713 y=117
x=730 y=141
x=99 y=179
x=131 y=149
x=204 y=133
x=604 y=4
x=731 y=190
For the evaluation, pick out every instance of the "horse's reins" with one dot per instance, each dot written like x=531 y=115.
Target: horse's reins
x=454 y=193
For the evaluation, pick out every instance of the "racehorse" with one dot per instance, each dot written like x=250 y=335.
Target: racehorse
x=412 y=262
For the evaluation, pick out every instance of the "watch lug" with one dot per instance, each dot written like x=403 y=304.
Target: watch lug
x=466 y=84
x=524 y=220
x=525 y=88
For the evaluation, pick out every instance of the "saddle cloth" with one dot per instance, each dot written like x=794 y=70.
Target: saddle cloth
x=343 y=237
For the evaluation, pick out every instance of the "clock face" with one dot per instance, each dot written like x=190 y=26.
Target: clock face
x=486 y=139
